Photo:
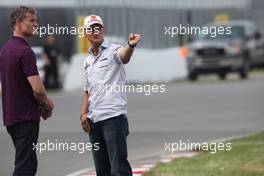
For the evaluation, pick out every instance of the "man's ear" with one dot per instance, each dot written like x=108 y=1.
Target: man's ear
x=103 y=30
x=17 y=23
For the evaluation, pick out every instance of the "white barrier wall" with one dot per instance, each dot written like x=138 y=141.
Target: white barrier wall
x=74 y=75
x=145 y=65
x=156 y=65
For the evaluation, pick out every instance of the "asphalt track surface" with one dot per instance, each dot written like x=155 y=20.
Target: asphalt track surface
x=194 y=112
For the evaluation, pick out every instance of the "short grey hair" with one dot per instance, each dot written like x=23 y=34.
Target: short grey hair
x=20 y=14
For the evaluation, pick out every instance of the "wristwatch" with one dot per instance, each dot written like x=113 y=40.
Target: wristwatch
x=131 y=46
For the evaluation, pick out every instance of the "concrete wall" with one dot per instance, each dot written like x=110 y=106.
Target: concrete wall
x=145 y=66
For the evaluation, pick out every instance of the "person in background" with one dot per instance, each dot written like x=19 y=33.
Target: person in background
x=50 y=56
x=24 y=98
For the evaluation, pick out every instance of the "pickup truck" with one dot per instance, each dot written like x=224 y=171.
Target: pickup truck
x=236 y=51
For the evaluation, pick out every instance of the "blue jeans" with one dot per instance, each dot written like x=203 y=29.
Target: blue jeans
x=23 y=135
x=111 y=158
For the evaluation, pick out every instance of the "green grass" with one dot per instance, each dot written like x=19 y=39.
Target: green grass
x=246 y=158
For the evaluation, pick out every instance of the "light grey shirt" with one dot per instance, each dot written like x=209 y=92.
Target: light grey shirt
x=104 y=75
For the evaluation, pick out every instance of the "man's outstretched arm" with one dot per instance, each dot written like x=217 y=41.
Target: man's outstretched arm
x=126 y=52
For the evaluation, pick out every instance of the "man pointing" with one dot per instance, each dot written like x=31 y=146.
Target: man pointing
x=104 y=113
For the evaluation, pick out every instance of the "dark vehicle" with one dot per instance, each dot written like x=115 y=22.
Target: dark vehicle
x=237 y=51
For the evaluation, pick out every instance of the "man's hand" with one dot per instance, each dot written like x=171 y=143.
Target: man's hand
x=45 y=114
x=133 y=39
x=126 y=52
x=85 y=123
x=46 y=110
